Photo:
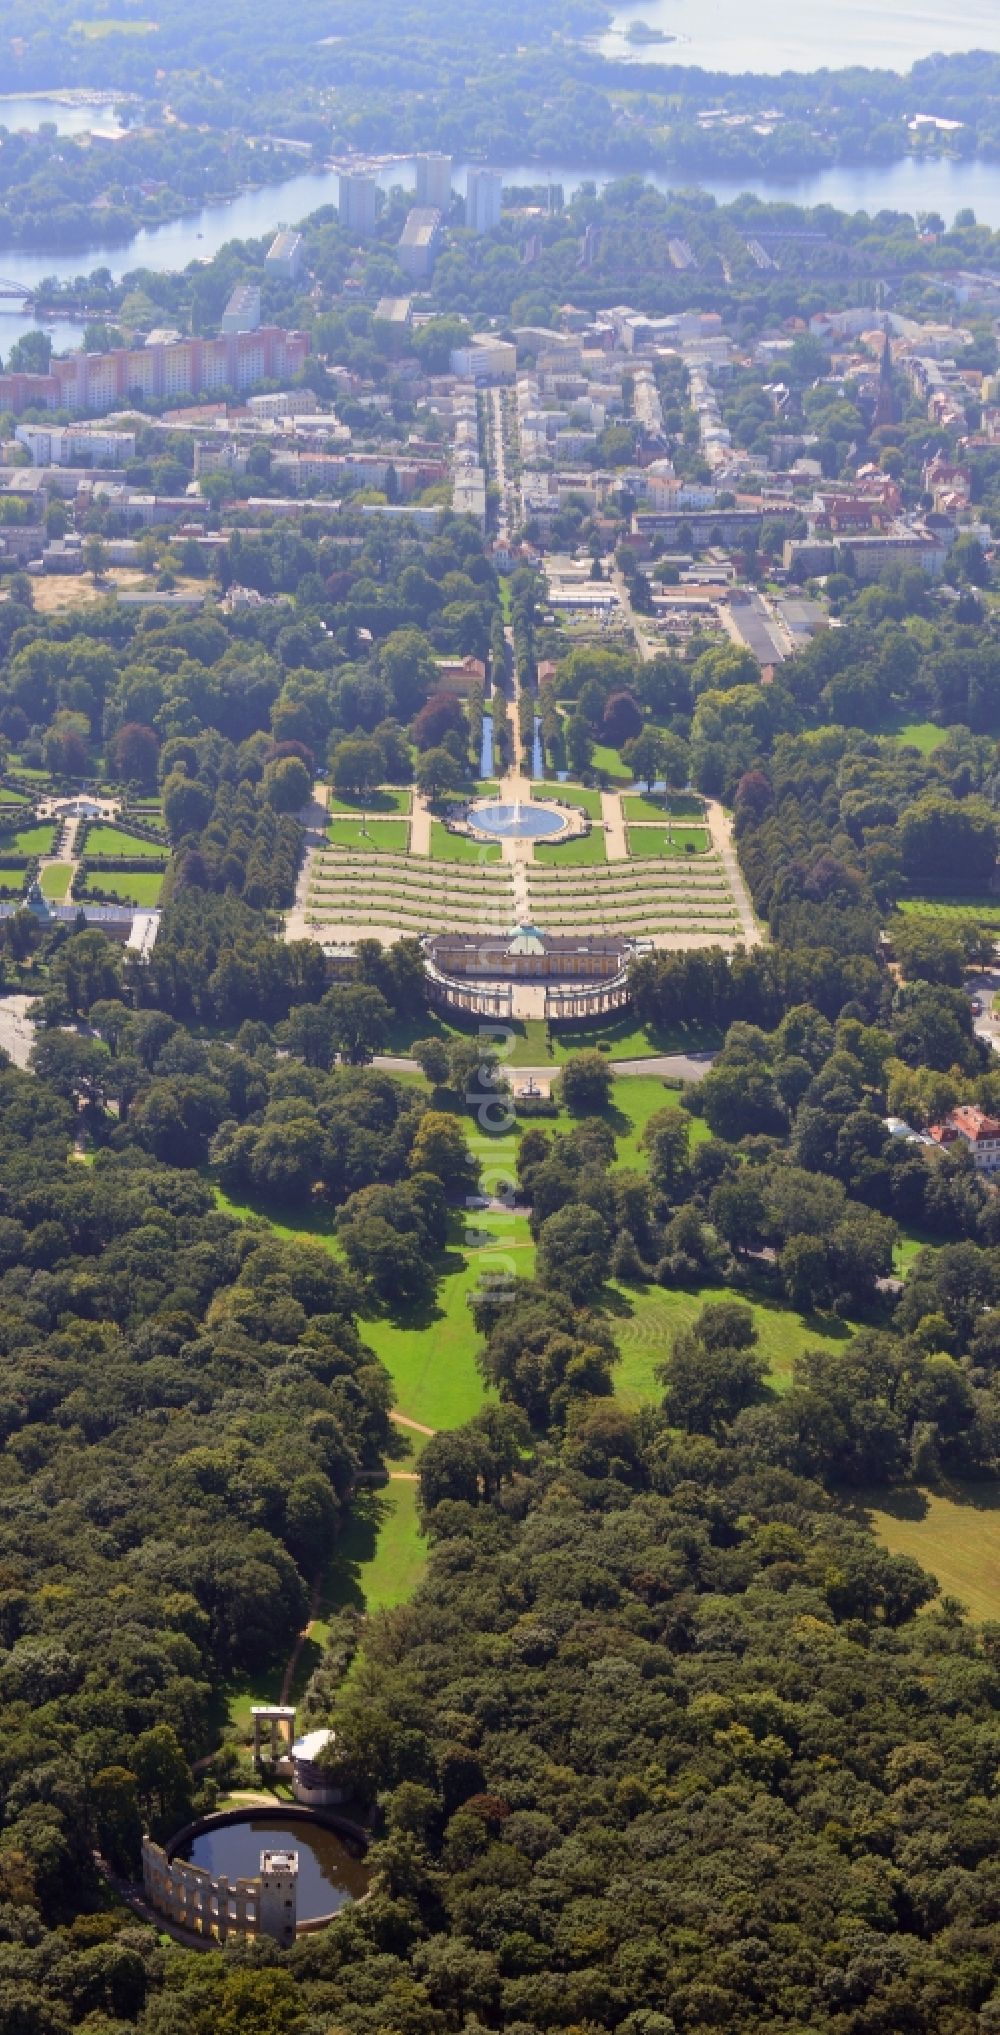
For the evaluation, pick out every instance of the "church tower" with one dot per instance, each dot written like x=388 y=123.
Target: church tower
x=886 y=406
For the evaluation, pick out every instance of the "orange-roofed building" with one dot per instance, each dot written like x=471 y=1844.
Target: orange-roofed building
x=980 y=1132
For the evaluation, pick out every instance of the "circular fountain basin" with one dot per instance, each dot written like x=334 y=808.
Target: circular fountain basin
x=523 y=822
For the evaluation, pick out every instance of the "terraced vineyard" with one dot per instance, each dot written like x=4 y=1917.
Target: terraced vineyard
x=691 y=901
x=414 y=894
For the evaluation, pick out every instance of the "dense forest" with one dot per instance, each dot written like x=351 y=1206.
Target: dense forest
x=389 y=83
x=665 y=1740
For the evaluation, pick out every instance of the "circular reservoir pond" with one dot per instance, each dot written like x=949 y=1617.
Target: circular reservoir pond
x=331 y=1869
x=524 y=821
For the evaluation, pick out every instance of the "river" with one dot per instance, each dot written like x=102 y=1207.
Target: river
x=910 y=185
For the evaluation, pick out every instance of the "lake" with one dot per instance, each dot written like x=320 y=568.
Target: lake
x=727 y=35
x=929 y=184
x=66 y=116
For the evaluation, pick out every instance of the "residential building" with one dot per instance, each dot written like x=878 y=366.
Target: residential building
x=977 y=1130
x=286 y=403
x=284 y=256
x=95 y=382
x=434 y=181
x=242 y=313
x=76 y=445
x=483 y=197
x=217 y=454
x=419 y=242
x=395 y=311
x=356 y=203
x=488 y=359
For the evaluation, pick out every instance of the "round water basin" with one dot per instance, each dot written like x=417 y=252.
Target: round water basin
x=524 y=822
x=331 y=1871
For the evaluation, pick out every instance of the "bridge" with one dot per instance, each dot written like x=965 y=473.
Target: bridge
x=24 y=291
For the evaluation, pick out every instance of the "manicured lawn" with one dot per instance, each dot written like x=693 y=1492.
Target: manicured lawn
x=389 y=798
x=583 y=795
x=11 y=879
x=953 y=1532
x=449 y=847
x=653 y=805
x=133 y=886
x=11 y=798
x=667 y=842
x=624 y=1038
x=646 y=1318
x=55 y=880
x=431 y=1353
x=382 y=837
x=642 y=806
x=38 y=840
x=585 y=848
x=115 y=841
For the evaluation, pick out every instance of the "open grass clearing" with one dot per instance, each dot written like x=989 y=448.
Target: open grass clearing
x=634 y=1099
x=953 y=1532
x=379 y=1557
x=666 y=843
x=115 y=841
x=11 y=878
x=55 y=880
x=375 y=837
x=609 y=764
x=923 y=735
x=11 y=798
x=134 y=886
x=645 y=1320
x=430 y=1352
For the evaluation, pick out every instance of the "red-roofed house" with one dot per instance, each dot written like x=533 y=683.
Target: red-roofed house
x=980 y=1132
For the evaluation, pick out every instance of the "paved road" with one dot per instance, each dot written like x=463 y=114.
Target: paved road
x=675 y=1066
x=721 y=829
x=17 y=1033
